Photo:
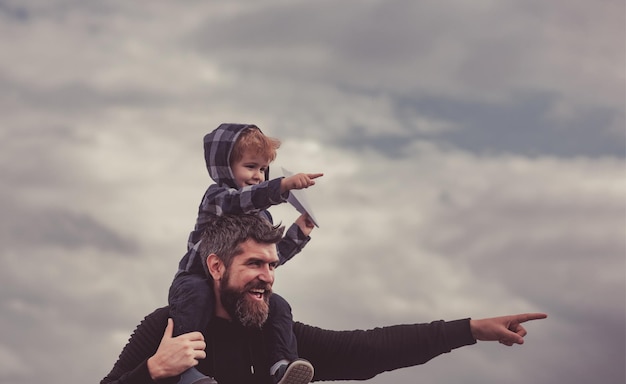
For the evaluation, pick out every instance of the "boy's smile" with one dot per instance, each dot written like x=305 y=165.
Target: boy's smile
x=250 y=170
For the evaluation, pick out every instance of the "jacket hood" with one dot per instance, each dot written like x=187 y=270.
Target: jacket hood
x=218 y=146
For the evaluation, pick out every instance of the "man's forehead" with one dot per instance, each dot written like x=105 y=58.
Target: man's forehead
x=251 y=248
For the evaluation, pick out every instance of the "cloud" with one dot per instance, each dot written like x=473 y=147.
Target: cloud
x=473 y=159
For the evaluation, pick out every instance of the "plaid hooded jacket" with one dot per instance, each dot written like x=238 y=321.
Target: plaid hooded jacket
x=224 y=197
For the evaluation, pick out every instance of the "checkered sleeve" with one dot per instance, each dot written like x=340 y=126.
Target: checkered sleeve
x=292 y=243
x=221 y=200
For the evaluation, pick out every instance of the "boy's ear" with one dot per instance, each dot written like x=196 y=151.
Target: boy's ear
x=215 y=266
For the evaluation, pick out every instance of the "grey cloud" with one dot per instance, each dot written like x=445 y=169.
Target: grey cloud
x=26 y=227
x=524 y=127
x=549 y=253
x=34 y=10
x=521 y=127
x=72 y=99
x=489 y=71
x=359 y=42
x=347 y=43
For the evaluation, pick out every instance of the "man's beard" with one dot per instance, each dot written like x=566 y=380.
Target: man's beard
x=250 y=313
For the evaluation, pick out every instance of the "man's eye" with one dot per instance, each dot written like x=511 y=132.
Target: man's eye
x=255 y=263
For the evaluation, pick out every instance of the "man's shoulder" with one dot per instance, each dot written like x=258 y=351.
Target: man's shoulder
x=158 y=316
x=161 y=312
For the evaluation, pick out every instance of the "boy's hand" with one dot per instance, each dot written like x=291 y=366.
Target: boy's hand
x=305 y=223
x=298 y=181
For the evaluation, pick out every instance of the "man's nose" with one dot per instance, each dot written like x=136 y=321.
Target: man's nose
x=267 y=274
x=259 y=175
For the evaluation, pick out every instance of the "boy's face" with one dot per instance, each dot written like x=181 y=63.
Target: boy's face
x=250 y=170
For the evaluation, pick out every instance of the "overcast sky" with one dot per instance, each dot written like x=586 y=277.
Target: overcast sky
x=473 y=154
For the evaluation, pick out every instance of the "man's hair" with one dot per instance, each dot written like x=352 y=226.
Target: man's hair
x=224 y=234
x=252 y=140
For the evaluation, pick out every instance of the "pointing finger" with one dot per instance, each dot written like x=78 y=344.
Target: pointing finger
x=529 y=316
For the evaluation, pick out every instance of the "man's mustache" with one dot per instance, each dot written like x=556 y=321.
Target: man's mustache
x=258 y=285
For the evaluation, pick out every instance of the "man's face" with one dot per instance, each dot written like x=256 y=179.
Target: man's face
x=247 y=283
x=250 y=170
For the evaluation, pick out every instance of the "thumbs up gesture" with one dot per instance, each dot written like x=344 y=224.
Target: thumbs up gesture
x=176 y=354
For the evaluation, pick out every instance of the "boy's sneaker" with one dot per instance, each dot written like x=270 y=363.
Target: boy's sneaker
x=205 y=380
x=193 y=376
x=297 y=372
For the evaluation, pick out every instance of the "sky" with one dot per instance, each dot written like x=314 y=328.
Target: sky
x=473 y=157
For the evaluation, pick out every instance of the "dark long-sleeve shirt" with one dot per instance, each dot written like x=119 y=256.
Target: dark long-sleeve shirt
x=236 y=355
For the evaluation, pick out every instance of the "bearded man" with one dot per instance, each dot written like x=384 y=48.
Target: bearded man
x=240 y=256
x=244 y=283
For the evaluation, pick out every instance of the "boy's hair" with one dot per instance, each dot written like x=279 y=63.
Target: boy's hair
x=252 y=140
x=225 y=233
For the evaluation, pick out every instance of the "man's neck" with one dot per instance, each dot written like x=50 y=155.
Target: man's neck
x=222 y=314
x=220 y=311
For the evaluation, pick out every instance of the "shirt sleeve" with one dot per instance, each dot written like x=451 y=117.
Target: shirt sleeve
x=363 y=354
x=336 y=355
x=131 y=366
x=291 y=244
x=249 y=199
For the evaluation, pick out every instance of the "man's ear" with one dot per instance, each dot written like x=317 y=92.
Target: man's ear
x=215 y=266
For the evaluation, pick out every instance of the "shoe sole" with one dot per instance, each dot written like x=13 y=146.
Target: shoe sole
x=298 y=372
x=206 y=380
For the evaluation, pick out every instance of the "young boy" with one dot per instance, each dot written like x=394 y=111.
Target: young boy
x=237 y=157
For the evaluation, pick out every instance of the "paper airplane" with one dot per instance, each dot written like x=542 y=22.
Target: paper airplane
x=297 y=198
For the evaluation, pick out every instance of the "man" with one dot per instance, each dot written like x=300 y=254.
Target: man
x=240 y=256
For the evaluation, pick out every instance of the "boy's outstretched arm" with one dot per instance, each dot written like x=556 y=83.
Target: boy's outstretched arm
x=298 y=181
